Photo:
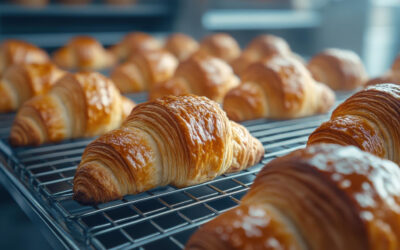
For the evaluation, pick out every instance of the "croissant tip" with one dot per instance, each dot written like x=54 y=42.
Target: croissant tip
x=23 y=134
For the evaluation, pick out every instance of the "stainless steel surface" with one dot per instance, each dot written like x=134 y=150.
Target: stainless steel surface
x=40 y=179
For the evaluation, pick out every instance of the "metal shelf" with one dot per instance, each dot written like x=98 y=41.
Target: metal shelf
x=40 y=179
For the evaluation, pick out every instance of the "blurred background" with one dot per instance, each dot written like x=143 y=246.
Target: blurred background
x=369 y=27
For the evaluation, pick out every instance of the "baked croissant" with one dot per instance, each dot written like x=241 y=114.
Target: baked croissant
x=392 y=76
x=84 y=53
x=201 y=75
x=19 y=52
x=279 y=88
x=20 y=82
x=79 y=105
x=180 y=141
x=323 y=197
x=134 y=42
x=339 y=69
x=370 y=120
x=220 y=45
x=261 y=47
x=181 y=46
x=143 y=70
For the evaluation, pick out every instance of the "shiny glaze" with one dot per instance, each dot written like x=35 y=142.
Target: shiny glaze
x=322 y=197
x=220 y=45
x=201 y=75
x=181 y=45
x=339 y=69
x=369 y=119
x=287 y=88
x=181 y=141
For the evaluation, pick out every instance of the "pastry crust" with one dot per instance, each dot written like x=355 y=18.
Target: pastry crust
x=181 y=46
x=220 y=45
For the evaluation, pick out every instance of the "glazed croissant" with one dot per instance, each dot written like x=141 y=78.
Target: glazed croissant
x=220 y=45
x=180 y=141
x=370 y=120
x=279 y=88
x=79 y=105
x=201 y=75
x=392 y=76
x=323 y=197
x=20 y=82
x=339 y=69
x=84 y=53
x=261 y=47
x=19 y=52
x=143 y=70
x=134 y=42
x=181 y=46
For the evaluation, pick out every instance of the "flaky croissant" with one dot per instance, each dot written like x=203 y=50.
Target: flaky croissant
x=370 y=120
x=261 y=47
x=144 y=69
x=391 y=76
x=279 y=88
x=201 y=75
x=20 y=82
x=180 y=141
x=339 y=69
x=84 y=53
x=181 y=46
x=323 y=197
x=78 y=105
x=220 y=45
x=19 y=52
x=133 y=42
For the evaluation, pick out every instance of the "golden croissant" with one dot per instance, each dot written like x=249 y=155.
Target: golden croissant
x=201 y=75
x=323 y=197
x=339 y=69
x=220 y=45
x=180 y=141
x=20 y=82
x=19 y=52
x=181 y=46
x=84 y=53
x=370 y=120
x=143 y=70
x=79 y=105
x=280 y=88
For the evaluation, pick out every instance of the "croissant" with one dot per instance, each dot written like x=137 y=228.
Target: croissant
x=220 y=45
x=279 y=88
x=339 y=69
x=322 y=197
x=144 y=69
x=181 y=141
x=19 y=52
x=261 y=47
x=20 y=82
x=201 y=75
x=392 y=76
x=370 y=120
x=84 y=53
x=134 y=42
x=78 y=105
x=181 y=46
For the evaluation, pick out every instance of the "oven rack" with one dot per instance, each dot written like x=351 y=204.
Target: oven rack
x=40 y=179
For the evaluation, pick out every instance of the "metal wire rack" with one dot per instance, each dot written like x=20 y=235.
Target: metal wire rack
x=162 y=218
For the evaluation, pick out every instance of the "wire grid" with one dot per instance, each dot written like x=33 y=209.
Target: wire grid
x=162 y=218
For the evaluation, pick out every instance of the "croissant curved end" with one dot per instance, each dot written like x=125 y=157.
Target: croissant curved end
x=5 y=99
x=25 y=132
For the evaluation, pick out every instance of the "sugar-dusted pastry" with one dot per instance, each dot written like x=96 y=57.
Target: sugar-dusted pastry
x=280 y=87
x=83 y=53
x=21 y=82
x=338 y=68
x=370 y=120
x=201 y=75
x=78 y=105
x=143 y=70
x=180 y=141
x=181 y=46
x=322 y=197
x=20 y=52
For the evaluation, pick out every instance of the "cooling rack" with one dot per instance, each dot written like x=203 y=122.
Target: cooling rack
x=40 y=180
